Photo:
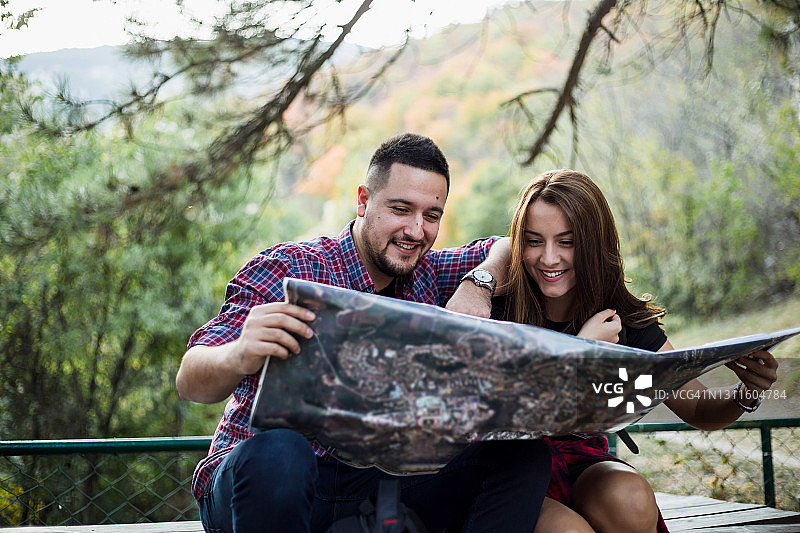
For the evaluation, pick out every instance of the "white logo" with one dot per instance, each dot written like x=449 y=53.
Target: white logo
x=645 y=381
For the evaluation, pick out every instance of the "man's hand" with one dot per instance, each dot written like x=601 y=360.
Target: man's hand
x=269 y=330
x=471 y=300
x=209 y=374
x=757 y=371
x=604 y=326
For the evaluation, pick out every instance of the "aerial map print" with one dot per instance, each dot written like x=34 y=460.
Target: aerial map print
x=405 y=386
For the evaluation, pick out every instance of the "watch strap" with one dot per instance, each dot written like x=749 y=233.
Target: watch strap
x=490 y=283
x=737 y=394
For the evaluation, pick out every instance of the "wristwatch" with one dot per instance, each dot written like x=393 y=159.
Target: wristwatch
x=481 y=278
x=737 y=393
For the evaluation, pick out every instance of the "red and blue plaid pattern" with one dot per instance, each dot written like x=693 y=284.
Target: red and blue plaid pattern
x=324 y=260
x=573 y=451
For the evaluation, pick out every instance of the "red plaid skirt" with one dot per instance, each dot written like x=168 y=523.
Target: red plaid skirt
x=571 y=455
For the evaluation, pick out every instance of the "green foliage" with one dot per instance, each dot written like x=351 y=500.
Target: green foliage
x=12 y=83
x=681 y=156
x=702 y=244
x=112 y=253
x=14 y=21
x=486 y=209
x=784 y=173
x=700 y=174
x=107 y=265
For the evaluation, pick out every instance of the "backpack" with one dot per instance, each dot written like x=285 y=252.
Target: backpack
x=386 y=515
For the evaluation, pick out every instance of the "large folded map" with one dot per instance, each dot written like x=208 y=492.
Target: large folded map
x=406 y=386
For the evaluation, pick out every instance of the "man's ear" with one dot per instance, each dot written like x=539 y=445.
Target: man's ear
x=363 y=196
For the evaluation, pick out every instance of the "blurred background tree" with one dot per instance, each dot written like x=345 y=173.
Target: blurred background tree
x=122 y=219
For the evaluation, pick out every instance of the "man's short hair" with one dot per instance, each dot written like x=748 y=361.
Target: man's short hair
x=409 y=149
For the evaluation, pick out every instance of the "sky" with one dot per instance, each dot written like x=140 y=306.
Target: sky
x=89 y=23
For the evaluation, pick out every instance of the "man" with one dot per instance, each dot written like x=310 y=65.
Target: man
x=279 y=481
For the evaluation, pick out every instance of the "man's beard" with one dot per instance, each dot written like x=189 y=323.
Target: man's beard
x=380 y=258
x=390 y=268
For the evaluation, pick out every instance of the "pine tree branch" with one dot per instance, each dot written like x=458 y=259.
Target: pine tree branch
x=266 y=124
x=565 y=98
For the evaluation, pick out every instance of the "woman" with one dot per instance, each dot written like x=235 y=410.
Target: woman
x=566 y=274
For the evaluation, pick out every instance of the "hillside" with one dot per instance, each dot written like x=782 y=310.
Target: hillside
x=93 y=73
x=700 y=170
x=106 y=71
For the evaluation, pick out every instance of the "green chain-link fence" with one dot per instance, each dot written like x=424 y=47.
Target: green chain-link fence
x=98 y=481
x=755 y=461
x=148 y=480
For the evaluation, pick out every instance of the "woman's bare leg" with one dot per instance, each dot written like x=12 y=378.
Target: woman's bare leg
x=555 y=517
x=615 y=498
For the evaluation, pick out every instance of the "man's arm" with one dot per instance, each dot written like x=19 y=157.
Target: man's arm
x=473 y=300
x=209 y=374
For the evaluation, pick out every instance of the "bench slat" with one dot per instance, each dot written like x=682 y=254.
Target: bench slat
x=682 y=513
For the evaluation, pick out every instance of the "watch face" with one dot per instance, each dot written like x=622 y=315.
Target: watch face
x=482 y=275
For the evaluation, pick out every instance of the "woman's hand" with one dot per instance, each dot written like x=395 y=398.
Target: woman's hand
x=604 y=326
x=757 y=371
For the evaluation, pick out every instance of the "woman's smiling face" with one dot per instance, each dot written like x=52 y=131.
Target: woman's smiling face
x=549 y=252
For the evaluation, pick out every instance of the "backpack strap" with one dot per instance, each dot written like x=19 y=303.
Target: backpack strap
x=626 y=438
x=413 y=523
x=388 y=515
x=392 y=516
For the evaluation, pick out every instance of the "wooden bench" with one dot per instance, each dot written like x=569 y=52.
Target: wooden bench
x=682 y=513
x=689 y=513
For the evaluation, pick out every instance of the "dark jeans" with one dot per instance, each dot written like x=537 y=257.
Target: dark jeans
x=274 y=482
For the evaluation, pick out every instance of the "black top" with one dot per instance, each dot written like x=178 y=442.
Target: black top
x=650 y=337
x=389 y=290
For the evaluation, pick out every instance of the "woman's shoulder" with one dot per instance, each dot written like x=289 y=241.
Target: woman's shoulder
x=650 y=337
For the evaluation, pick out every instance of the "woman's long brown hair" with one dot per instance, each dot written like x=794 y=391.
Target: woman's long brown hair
x=599 y=274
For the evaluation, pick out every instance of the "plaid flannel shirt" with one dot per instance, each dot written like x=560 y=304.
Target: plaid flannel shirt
x=324 y=260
